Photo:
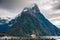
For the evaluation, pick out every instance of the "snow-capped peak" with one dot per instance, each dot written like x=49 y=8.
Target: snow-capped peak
x=29 y=7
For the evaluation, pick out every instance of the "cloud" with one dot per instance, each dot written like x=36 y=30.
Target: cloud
x=55 y=21
x=49 y=8
x=57 y=5
x=15 y=5
x=5 y=13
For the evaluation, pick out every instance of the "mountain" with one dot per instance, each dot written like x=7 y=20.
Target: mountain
x=5 y=24
x=32 y=21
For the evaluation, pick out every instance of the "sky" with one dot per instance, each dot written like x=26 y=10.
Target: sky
x=49 y=8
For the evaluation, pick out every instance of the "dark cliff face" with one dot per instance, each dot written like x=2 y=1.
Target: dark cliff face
x=31 y=21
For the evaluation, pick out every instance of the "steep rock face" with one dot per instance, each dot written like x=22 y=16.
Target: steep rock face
x=31 y=21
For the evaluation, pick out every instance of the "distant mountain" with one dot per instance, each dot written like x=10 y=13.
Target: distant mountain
x=31 y=21
x=5 y=24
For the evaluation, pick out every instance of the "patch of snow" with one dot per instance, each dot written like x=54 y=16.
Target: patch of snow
x=6 y=37
x=25 y=10
x=33 y=36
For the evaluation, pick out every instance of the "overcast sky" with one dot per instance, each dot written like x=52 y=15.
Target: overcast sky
x=49 y=8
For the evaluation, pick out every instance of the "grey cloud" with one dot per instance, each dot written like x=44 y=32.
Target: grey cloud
x=57 y=5
x=15 y=5
x=11 y=5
